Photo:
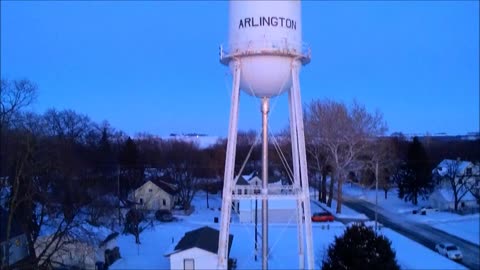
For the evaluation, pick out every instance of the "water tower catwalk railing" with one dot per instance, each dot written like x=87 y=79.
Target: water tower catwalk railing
x=265 y=47
x=255 y=192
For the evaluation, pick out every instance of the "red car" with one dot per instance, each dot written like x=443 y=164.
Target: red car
x=322 y=217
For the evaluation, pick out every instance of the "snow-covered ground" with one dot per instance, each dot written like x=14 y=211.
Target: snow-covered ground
x=464 y=226
x=157 y=240
x=466 y=229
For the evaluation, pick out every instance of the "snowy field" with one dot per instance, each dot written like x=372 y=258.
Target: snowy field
x=161 y=238
x=464 y=226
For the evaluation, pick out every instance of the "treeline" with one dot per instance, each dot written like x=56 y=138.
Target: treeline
x=58 y=162
x=55 y=166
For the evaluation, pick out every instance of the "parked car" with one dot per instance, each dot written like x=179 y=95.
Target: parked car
x=449 y=250
x=425 y=210
x=164 y=215
x=322 y=217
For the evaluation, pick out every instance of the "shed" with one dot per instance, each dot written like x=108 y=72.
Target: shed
x=197 y=249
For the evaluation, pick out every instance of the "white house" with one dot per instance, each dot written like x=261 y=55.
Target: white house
x=154 y=195
x=197 y=249
x=17 y=246
x=84 y=247
x=466 y=177
x=462 y=170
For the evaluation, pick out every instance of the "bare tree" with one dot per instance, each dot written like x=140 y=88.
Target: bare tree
x=345 y=133
x=14 y=96
x=44 y=184
x=460 y=178
x=381 y=159
x=182 y=165
x=67 y=125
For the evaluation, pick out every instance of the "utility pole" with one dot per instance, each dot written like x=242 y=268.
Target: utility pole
x=256 y=229
x=376 y=193
x=118 y=195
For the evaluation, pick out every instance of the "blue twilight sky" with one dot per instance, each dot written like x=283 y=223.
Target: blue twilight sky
x=153 y=66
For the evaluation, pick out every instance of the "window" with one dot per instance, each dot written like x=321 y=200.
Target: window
x=150 y=190
x=164 y=202
x=141 y=201
x=188 y=264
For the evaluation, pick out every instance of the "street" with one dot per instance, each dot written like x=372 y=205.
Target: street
x=421 y=233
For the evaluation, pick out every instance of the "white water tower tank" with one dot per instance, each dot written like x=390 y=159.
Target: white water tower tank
x=265 y=37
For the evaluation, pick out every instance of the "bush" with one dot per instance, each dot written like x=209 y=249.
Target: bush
x=360 y=248
x=163 y=215
x=132 y=220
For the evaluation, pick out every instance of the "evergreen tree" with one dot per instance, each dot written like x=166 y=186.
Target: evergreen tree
x=360 y=248
x=417 y=180
x=131 y=170
x=106 y=161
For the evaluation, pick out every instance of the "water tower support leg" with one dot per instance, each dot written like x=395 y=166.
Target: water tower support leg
x=228 y=176
x=303 y=163
x=265 y=109
x=296 y=182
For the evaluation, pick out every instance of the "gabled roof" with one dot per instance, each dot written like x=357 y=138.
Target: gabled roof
x=169 y=188
x=460 y=165
x=242 y=182
x=255 y=179
x=205 y=238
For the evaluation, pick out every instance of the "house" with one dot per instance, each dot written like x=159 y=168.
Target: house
x=84 y=247
x=17 y=246
x=462 y=170
x=280 y=210
x=154 y=195
x=443 y=199
x=466 y=177
x=197 y=249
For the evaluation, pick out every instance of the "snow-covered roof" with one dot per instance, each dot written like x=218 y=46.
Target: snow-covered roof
x=205 y=238
x=80 y=231
x=443 y=166
x=92 y=234
x=248 y=176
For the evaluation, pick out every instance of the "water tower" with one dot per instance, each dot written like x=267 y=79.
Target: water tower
x=265 y=53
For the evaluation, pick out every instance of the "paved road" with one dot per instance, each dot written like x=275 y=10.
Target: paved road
x=421 y=233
